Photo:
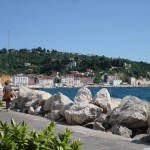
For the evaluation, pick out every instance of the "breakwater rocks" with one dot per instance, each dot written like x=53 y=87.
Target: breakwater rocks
x=126 y=117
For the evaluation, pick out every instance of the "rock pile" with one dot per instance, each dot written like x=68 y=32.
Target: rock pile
x=127 y=117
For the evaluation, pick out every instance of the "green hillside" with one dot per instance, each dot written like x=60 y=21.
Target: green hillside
x=42 y=61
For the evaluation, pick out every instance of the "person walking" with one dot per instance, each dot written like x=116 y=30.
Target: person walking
x=7 y=94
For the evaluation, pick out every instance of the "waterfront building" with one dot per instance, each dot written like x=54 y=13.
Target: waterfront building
x=147 y=82
x=77 y=82
x=46 y=81
x=20 y=80
x=63 y=80
x=68 y=80
x=109 y=77
x=132 y=81
x=115 y=82
x=25 y=80
x=74 y=81
x=87 y=81
x=139 y=81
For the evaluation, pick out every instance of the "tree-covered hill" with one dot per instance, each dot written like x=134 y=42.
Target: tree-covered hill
x=42 y=61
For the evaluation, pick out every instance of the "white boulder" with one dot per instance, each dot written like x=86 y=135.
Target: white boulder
x=27 y=97
x=81 y=113
x=56 y=102
x=132 y=113
x=103 y=100
x=83 y=95
x=115 y=102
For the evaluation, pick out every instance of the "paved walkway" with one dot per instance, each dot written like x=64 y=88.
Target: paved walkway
x=92 y=139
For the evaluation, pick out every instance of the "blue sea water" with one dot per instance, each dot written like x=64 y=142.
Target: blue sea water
x=140 y=92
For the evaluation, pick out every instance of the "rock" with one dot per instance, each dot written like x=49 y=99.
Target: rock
x=115 y=102
x=81 y=113
x=121 y=130
x=25 y=110
x=27 y=97
x=38 y=110
x=53 y=115
x=132 y=113
x=102 y=118
x=103 y=100
x=98 y=126
x=62 y=110
x=43 y=97
x=31 y=111
x=148 y=131
x=22 y=102
x=106 y=125
x=139 y=137
x=89 y=125
x=145 y=139
x=31 y=103
x=142 y=138
x=83 y=95
x=56 y=102
x=25 y=92
x=148 y=118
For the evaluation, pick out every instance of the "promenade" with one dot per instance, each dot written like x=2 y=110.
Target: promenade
x=92 y=139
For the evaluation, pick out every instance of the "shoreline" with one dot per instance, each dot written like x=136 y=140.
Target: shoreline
x=37 y=87
x=94 y=86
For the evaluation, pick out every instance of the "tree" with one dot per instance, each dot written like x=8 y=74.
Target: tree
x=3 y=51
x=97 y=78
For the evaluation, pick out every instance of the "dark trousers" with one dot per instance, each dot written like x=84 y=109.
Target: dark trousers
x=7 y=104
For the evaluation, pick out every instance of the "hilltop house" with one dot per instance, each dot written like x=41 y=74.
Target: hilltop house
x=72 y=64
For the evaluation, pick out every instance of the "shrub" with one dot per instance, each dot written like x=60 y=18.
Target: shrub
x=1 y=103
x=15 y=136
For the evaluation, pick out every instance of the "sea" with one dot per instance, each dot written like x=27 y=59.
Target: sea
x=116 y=92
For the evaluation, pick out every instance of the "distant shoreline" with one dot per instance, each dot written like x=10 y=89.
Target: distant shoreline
x=88 y=86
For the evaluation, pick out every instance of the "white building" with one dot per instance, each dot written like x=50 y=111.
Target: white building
x=46 y=82
x=77 y=82
x=140 y=81
x=73 y=64
x=115 y=82
x=20 y=80
x=132 y=80
x=63 y=80
x=68 y=80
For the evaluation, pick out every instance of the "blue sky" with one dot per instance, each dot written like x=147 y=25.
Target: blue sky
x=114 y=28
